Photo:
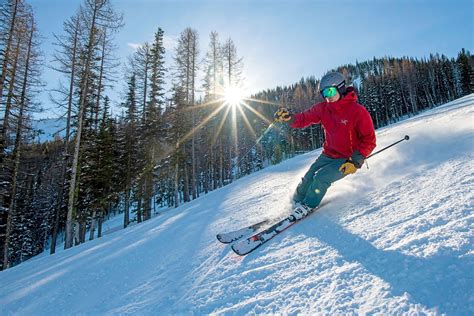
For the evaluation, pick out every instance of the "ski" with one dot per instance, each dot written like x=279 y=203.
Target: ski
x=229 y=237
x=248 y=245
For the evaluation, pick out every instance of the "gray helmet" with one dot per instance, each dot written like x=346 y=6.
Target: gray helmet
x=333 y=79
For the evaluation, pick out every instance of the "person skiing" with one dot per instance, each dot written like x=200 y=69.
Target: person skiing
x=349 y=139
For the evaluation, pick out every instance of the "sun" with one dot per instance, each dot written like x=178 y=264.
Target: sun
x=233 y=96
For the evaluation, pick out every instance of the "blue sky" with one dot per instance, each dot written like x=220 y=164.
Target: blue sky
x=282 y=41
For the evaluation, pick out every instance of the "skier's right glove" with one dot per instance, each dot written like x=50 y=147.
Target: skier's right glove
x=353 y=163
x=348 y=167
x=283 y=115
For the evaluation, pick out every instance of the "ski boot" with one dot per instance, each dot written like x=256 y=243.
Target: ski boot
x=300 y=211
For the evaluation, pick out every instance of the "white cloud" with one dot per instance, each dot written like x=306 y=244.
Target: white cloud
x=169 y=42
x=134 y=46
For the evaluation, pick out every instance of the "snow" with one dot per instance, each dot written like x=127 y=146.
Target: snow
x=394 y=238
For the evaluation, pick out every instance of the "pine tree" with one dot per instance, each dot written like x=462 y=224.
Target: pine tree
x=152 y=123
x=66 y=57
x=213 y=87
x=97 y=15
x=157 y=72
x=11 y=14
x=186 y=67
x=232 y=72
x=213 y=65
x=130 y=144
x=29 y=74
x=232 y=65
x=465 y=62
x=104 y=168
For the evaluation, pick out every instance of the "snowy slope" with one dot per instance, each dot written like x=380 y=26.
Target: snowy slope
x=395 y=238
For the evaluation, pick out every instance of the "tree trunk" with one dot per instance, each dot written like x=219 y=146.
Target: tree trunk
x=126 y=214
x=221 y=164
x=99 y=226
x=193 y=77
x=17 y=149
x=147 y=176
x=139 y=206
x=83 y=232
x=99 y=87
x=66 y=141
x=145 y=88
x=8 y=105
x=85 y=87
x=92 y=227
x=186 y=184
x=176 y=178
x=6 y=58
x=77 y=232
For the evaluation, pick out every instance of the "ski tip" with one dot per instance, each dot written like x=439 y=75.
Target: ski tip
x=219 y=237
x=237 y=252
x=240 y=254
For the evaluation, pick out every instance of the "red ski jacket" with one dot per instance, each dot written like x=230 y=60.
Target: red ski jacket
x=347 y=126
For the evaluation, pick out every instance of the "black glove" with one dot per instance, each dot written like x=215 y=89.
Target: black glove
x=357 y=159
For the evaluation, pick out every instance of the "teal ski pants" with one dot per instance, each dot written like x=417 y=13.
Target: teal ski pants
x=322 y=173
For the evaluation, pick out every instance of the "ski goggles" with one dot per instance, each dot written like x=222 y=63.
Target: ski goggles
x=329 y=92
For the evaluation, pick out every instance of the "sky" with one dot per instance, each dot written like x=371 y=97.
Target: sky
x=280 y=41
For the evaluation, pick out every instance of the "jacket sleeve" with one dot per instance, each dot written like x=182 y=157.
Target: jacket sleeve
x=365 y=133
x=308 y=117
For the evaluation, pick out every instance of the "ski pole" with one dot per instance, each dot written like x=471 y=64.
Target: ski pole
x=401 y=140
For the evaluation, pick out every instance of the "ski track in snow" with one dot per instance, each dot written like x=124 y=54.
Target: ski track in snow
x=396 y=238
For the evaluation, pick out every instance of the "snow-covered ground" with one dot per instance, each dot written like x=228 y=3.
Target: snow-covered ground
x=395 y=238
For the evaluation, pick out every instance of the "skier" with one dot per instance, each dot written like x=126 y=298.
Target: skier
x=349 y=139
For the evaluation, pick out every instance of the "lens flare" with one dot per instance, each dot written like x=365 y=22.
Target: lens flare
x=233 y=96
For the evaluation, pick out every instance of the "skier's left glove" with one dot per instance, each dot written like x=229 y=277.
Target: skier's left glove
x=356 y=161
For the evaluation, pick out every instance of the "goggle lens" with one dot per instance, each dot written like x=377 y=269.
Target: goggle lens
x=329 y=92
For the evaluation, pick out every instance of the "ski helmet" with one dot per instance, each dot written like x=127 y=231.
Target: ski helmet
x=333 y=79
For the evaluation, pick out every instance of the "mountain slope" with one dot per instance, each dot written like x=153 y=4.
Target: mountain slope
x=397 y=237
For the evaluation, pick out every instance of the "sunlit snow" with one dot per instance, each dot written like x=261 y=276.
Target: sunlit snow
x=394 y=238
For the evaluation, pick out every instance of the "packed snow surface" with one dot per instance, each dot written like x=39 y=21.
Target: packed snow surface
x=394 y=238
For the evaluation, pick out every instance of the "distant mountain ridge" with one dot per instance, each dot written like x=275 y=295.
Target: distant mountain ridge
x=47 y=129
